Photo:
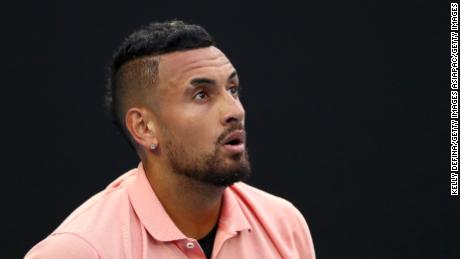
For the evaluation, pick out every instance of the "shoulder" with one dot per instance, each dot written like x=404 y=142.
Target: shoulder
x=64 y=245
x=262 y=200
x=86 y=229
x=267 y=206
x=281 y=220
x=99 y=209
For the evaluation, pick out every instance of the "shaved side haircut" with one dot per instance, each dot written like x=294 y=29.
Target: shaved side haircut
x=133 y=71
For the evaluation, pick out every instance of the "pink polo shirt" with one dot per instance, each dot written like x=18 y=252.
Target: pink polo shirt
x=126 y=220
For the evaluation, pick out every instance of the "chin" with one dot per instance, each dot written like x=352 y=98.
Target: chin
x=235 y=161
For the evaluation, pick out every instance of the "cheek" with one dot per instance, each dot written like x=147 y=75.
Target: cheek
x=194 y=134
x=195 y=127
x=200 y=135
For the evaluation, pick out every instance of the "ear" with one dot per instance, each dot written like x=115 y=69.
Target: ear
x=140 y=125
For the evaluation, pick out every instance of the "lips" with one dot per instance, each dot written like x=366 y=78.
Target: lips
x=234 y=142
x=235 y=138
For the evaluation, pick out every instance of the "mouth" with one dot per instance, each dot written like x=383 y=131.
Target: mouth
x=235 y=142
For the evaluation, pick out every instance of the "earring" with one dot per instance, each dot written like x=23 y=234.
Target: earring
x=153 y=146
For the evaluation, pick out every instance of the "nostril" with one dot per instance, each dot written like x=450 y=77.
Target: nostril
x=231 y=119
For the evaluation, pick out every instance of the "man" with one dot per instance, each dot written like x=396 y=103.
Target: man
x=174 y=95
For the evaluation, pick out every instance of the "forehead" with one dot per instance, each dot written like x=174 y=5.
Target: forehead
x=182 y=65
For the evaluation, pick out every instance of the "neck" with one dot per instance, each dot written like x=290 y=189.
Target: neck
x=192 y=205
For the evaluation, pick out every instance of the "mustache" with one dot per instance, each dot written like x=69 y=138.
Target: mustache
x=229 y=130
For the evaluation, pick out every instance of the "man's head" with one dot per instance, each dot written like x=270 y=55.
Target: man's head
x=170 y=86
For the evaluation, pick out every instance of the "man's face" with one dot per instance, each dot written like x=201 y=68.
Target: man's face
x=201 y=117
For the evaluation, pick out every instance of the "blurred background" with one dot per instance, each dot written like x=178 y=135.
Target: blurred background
x=347 y=114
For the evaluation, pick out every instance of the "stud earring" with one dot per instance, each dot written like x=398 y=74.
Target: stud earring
x=153 y=146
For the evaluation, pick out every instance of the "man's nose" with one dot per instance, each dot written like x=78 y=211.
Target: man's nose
x=232 y=110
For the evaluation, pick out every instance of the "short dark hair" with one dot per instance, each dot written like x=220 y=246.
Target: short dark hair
x=127 y=76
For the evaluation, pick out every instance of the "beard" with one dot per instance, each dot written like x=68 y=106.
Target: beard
x=210 y=168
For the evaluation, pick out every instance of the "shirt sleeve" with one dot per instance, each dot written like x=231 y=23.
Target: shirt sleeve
x=63 y=245
x=302 y=238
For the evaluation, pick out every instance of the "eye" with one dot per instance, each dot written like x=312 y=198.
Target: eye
x=234 y=90
x=200 y=95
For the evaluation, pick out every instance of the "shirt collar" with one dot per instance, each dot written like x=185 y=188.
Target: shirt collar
x=156 y=220
x=232 y=219
x=149 y=209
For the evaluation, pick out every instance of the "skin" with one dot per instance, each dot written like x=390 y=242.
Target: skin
x=195 y=119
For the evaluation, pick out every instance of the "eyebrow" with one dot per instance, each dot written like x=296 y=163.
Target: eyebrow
x=201 y=81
